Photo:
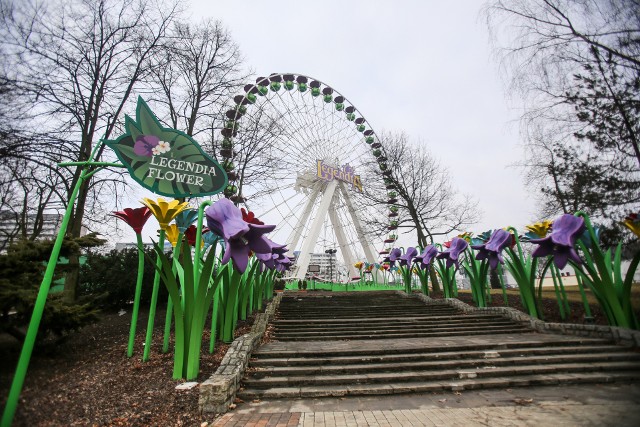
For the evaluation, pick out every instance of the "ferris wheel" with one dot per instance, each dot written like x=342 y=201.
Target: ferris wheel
x=310 y=147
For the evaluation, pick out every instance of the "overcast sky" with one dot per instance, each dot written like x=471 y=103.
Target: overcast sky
x=423 y=67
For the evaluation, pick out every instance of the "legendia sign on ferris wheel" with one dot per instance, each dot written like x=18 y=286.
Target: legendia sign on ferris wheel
x=346 y=173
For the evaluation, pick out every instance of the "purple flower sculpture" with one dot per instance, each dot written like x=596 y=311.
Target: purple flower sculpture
x=452 y=254
x=145 y=144
x=424 y=259
x=283 y=264
x=408 y=256
x=492 y=250
x=560 y=243
x=240 y=237
x=394 y=255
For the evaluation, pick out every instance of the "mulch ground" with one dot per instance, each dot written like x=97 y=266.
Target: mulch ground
x=89 y=381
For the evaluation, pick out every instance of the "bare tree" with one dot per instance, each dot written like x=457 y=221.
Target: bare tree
x=77 y=63
x=576 y=66
x=198 y=70
x=428 y=203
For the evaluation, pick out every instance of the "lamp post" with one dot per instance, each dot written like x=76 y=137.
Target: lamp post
x=331 y=252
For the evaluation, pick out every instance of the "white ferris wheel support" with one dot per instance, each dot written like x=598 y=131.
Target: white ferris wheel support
x=328 y=198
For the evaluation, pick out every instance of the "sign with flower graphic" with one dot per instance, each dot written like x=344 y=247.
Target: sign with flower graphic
x=164 y=160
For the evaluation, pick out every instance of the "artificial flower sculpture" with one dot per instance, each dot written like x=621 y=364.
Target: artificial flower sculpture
x=165 y=211
x=240 y=237
x=394 y=255
x=172 y=233
x=560 y=243
x=540 y=229
x=191 y=233
x=632 y=222
x=250 y=217
x=456 y=247
x=424 y=259
x=185 y=218
x=406 y=259
x=136 y=218
x=492 y=250
x=423 y=262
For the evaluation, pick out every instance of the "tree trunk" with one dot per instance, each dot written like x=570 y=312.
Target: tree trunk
x=73 y=231
x=494 y=279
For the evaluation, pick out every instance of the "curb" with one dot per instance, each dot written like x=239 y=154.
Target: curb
x=621 y=336
x=219 y=391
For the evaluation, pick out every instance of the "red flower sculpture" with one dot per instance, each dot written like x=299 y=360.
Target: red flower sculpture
x=250 y=217
x=191 y=232
x=136 y=218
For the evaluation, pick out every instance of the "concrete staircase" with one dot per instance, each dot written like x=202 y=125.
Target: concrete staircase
x=381 y=343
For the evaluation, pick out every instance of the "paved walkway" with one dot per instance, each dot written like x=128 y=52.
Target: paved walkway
x=588 y=405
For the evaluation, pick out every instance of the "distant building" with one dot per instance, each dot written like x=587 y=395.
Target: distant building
x=326 y=266
x=9 y=226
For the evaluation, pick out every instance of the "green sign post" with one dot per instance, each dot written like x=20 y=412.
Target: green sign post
x=164 y=160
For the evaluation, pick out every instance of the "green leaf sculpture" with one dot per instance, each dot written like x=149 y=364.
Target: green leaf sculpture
x=164 y=160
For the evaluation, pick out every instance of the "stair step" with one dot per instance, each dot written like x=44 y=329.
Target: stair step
x=366 y=366
x=441 y=375
x=404 y=334
x=330 y=329
x=386 y=320
x=272 y=351
x=449 y=385
x=426 y=356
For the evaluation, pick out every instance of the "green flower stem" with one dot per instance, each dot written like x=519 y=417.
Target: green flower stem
x=214 y=319
x=423 y=275
x=136 y=298
x=504 y=288
x=247 y=290
x=230 y=317
x=523 y=272
x=563 y=292
x=171 y=282
x=167 y=318
x=556 y=288
x=198 y=248
x=154 y=302
x=583 y=296
x=601 y=271
x=202 y=298
x=43 y=292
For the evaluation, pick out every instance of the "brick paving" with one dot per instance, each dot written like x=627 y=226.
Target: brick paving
x=604 y=405
x=591 y=415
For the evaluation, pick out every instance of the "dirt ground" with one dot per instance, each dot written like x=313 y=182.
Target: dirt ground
x=550 y=310
x=88 y=380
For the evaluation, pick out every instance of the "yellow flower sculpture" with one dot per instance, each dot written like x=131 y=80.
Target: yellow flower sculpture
x=359 y=265
x=632 y=222
x=165 y=211
x=172 y=234
x=466 y=236
x=540 y=229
